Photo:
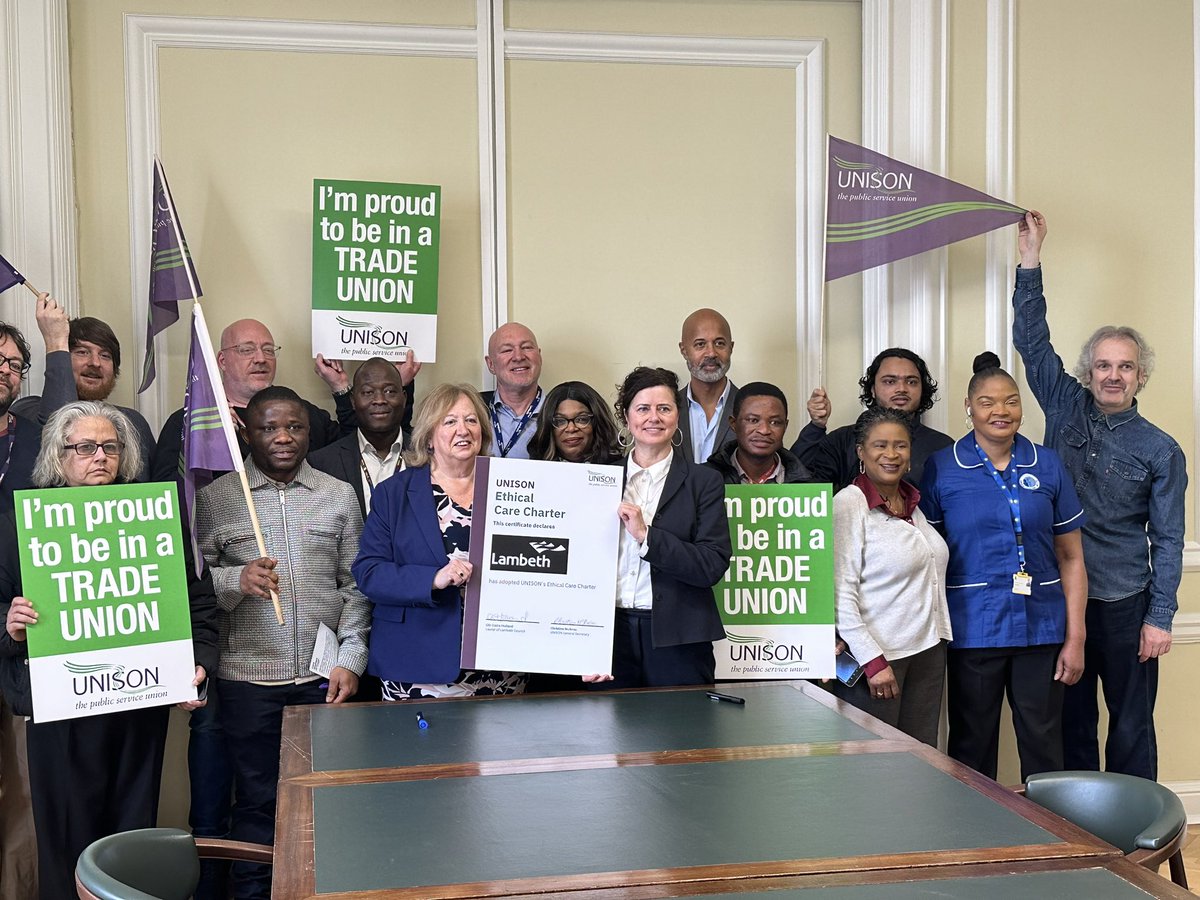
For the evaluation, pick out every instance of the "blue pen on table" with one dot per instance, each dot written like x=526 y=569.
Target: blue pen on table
x=421 y=723
x=726 y=698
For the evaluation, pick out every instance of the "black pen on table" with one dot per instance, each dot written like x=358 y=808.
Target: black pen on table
x=726 y=698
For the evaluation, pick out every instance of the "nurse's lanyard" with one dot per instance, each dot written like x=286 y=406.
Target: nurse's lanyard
x=1022 y=580
x=503 y=447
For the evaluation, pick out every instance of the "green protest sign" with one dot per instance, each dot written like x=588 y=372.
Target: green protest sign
x=103 y=568
x=375 y=269
x=776 y=600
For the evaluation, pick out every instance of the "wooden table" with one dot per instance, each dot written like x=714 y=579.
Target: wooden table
x=655 y=794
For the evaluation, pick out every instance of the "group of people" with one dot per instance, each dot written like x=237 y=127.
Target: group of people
x=990 y=565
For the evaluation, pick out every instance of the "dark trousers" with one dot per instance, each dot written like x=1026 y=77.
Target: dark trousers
x=638 y=663
x=978 y=680
x=90 y=778
x=918 y=708
x=252 y=716
x=1114 y=630
x=210 y=775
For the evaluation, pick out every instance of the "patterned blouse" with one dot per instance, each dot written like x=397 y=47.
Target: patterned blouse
x=455 y=522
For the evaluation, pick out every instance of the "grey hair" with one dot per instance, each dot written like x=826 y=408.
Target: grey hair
x=1145 y=355
x=48 y=470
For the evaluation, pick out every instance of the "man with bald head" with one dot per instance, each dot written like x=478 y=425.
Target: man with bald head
x=515 y=359
x=707 y=348
x=247 y=363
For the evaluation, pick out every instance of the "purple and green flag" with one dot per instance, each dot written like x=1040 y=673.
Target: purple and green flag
x=879 y=209
x=9 y=276
x=209 y=443
x=172 y=274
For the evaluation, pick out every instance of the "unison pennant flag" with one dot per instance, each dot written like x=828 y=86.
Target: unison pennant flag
x=879 y=209
x=9 y=276
x=172 y=275
x=209 y=443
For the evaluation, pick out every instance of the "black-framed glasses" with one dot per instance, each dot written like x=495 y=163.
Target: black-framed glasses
x=15 y=364
x=583 y=420
x=88 y=448
x=249 y=348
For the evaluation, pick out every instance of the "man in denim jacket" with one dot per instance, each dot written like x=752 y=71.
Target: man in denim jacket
x=1131 y=478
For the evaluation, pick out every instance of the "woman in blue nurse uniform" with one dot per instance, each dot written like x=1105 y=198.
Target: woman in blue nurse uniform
x=1016 y=584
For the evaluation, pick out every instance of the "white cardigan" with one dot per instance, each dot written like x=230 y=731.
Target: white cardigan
x=889 y=580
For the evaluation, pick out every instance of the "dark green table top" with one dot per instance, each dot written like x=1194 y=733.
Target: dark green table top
x=1080 y=884
x=373 y=737
x=454 y=830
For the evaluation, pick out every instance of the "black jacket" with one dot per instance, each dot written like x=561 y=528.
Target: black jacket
x=794 y=471
x=688 y=553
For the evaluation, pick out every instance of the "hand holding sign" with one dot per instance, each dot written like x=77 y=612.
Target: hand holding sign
x=20 y=615
x=630 y=515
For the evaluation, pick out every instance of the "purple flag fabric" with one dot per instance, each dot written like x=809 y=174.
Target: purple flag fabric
x=206 y=443
x=172 y=274
x=9 y=276
x=879 y=209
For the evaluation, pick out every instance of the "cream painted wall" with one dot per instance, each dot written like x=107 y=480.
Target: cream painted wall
x=244 y=133
x=678 y=184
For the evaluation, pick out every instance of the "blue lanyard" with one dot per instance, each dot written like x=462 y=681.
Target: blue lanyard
x=521 y=425
x=1012 y=492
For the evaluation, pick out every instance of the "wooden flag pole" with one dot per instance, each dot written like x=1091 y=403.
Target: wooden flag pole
x=32 y=289
x=227 y=427
x=258 y=536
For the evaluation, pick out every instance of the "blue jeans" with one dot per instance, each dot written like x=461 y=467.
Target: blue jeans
x=252 y=715
x=1114 y=629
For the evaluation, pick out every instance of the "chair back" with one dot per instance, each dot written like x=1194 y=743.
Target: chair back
x=147 y=864
x=1126 y=811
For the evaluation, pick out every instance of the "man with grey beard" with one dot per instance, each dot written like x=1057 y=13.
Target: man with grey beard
x=707 y=348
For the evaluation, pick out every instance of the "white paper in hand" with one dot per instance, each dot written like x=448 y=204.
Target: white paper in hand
x=325 y=651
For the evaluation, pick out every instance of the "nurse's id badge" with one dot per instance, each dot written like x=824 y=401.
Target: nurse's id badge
x=1023 y=583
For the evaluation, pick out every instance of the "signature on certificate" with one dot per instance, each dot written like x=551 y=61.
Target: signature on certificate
x=511 y=617
x=563 y=620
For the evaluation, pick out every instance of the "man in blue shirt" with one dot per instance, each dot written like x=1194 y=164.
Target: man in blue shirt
x=1131 y=478
x=704 y=404
x=515 y=359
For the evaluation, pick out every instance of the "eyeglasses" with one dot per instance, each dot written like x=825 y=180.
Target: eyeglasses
x=15 y=364
x=583 y=420
x=250 y=348
x=88 y=448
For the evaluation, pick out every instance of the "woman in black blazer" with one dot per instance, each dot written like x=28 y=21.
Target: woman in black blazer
x=674 y=545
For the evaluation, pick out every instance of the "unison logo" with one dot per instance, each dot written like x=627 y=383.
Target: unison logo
x=868 y=175
x=106 y=677
x=368 y=334
x=518 y=553
x=750 y=648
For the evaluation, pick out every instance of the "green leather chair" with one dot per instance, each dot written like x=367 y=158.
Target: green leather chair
x=1141 y=817
x=153 y=864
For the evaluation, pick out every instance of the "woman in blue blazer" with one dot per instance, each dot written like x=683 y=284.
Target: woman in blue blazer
x=674 y=545
x=412 y=561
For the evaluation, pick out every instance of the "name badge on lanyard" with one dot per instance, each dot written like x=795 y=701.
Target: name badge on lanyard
x=1022 y=580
